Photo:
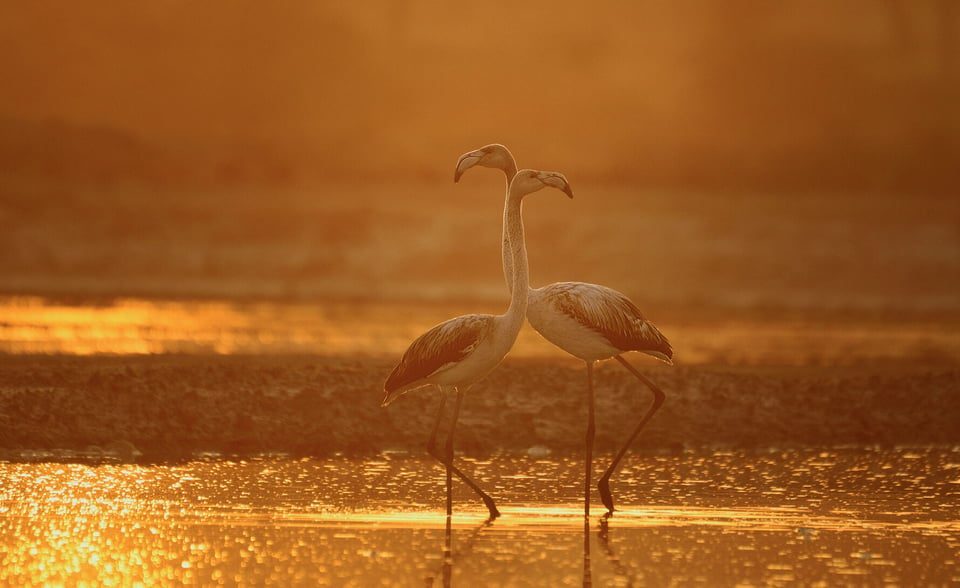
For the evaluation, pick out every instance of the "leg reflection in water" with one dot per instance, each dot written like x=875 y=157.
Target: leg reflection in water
x=446 y=566
x=620 y=570
x=447 y=553
x=624 y=574
x=587 y=576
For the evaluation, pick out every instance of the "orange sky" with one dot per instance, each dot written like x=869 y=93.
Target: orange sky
x=590 y=87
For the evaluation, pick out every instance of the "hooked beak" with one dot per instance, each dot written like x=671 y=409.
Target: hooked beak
x=466 y=161
x=559 y=182
x=386 y=400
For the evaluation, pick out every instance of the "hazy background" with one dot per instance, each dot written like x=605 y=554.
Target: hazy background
x=725 y=155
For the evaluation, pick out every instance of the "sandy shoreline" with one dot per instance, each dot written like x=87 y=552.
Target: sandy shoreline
x=172 y=406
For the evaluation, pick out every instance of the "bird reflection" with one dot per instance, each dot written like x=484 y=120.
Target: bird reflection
x=445 y=571
x=604 y=535
x=446 y=565
x=587 y=576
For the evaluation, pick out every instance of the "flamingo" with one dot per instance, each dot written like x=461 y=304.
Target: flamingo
x=589 y=321
x=456 y=353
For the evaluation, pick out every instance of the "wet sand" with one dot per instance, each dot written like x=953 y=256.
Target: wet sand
x=172 y=406
x=247 y=378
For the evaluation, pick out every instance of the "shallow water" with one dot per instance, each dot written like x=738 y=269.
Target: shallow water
x=837 y=516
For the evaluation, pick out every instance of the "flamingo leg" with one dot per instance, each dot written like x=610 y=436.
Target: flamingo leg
x=591 y=430
x=447 y=460
x=449 y=452
x=658 y=397
x=436 y=423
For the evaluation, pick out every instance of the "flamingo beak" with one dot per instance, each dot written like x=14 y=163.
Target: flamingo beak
x=558 y=181
x=466 y=161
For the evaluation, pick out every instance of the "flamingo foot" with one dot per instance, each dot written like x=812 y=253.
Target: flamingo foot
x=604 y=487
x=487 y=500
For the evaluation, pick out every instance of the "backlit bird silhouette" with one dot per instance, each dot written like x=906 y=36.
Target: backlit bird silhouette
x=588 y=321
x=458 y=352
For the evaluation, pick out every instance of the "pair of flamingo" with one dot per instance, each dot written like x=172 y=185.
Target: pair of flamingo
x=588 y=321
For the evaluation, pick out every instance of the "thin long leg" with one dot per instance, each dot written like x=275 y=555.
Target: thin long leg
x=658 y=397
x=436 y=423
x=448 y=462
x=591 y=431
x=435 y=453
x=449 y=452
x=449 y=484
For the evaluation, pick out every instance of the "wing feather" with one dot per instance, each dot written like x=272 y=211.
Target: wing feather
x=612 y=315
x=440 y=348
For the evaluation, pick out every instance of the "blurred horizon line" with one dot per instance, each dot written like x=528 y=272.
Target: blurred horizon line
x=55 y=150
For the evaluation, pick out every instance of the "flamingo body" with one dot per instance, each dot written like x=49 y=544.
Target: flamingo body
x=593 y=322
x=455 y=352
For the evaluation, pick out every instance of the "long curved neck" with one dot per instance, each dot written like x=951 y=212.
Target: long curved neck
x=509 y=172
x=513 y=219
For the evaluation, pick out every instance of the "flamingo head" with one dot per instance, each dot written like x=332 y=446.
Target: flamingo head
x=527 y=181
x=494 y=155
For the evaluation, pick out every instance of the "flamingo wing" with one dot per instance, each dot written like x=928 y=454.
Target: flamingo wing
x=436 y=351
x=611 y=315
